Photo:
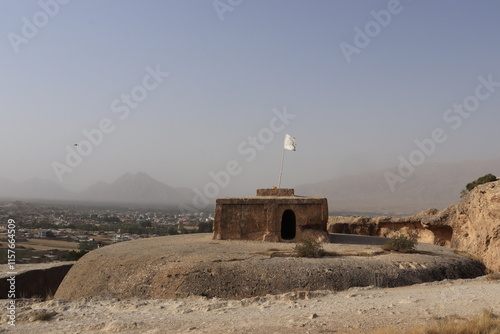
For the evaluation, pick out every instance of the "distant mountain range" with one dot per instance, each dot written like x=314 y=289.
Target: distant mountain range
x=138 y=188
x=431 y=185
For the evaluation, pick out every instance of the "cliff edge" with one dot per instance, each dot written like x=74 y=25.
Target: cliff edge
x=473 y=225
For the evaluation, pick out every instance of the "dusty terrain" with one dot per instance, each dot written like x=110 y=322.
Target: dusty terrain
x=184 y=265
x=250 y=287
x=357 y=310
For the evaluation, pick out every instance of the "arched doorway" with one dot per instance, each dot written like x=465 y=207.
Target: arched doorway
x=288 y=225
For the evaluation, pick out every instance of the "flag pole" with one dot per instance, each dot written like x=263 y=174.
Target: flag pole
x=281 y=170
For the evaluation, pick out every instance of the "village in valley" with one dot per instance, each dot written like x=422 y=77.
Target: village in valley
x=58 y=232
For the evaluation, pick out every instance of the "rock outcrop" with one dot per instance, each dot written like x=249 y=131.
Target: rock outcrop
x=473 y=225
x=183 y=265
x=35 y=280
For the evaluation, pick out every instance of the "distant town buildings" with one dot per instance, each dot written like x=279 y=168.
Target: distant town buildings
x=102 y=226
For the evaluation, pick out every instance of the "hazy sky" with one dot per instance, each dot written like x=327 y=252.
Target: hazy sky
x=360 y=81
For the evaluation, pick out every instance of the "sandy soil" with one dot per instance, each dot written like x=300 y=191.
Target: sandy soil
x=357 y=310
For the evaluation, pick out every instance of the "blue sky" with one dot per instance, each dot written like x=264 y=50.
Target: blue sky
x=225 y=78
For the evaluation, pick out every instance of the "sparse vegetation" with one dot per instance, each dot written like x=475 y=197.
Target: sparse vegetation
x=483 y=179
x=43 y=315
x=309 y=248
x=402 y=243
x=485 y=323
x=74 y=255
x=205 y=227
x=84 y=248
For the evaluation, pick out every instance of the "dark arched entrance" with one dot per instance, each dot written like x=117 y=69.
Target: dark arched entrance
x=288 y=225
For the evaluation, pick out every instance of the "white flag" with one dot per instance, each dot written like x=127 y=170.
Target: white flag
x=290 y=143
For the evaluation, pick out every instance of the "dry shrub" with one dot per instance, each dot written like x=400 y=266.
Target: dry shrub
x=309 y=248
x=485 y=323
x=402 y=243
x=42 y=315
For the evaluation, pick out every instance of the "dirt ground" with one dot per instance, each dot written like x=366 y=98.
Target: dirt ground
x=184 y=265
x=48 y=244
x=357 y=310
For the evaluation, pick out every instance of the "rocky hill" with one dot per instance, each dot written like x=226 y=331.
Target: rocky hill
x=184 y=265
x=139 y=188
x=473 y=225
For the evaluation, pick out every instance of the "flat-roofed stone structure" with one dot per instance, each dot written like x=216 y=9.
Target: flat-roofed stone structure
x=275 y=215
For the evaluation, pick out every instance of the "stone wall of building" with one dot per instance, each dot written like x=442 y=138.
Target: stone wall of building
x=273 y=215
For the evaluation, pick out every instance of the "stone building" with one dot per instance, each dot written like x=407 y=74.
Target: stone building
x=275 y=215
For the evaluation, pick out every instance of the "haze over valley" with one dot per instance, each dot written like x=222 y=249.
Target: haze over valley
x=431 y=186
x=183 y=91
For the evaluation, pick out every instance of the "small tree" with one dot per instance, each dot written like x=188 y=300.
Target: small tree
x=74 y=255
x=88 y=246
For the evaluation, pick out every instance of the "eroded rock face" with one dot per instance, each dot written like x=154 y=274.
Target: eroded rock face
x=40 y=281
x=476 y=224
x=473 y=225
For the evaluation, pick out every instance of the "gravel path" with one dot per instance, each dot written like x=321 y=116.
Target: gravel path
x=357 y=310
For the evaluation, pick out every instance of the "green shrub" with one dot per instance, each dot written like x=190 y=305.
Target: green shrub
x=402 y=243
x=483 y=179
x=74 y=255
x=309 y=248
